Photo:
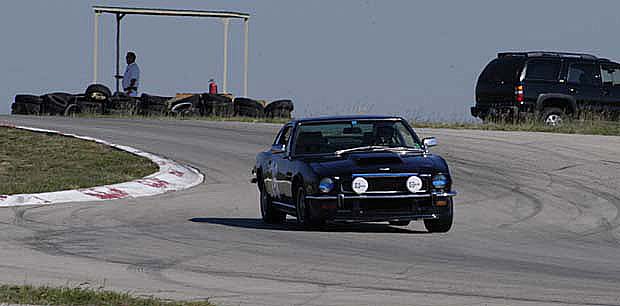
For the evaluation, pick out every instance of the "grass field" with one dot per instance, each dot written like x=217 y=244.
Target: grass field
x=29 y=295
x=37 y=162
x=588 y=127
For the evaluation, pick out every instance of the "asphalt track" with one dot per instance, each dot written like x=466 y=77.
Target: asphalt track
x=537 y=223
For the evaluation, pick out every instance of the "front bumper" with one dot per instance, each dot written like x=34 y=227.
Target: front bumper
x=380 y=207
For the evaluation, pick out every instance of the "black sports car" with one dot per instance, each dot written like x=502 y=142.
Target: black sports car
x=354 y=169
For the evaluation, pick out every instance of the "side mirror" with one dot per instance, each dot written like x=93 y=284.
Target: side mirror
x=278 y=148
x=430 y=142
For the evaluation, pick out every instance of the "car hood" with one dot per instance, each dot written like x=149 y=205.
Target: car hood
x=377 y=162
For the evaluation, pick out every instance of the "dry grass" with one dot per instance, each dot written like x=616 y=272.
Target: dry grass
x=587 y=127
x=37 y=162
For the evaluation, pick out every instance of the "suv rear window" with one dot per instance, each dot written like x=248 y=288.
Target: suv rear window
x=505 y=70
x=544 y=70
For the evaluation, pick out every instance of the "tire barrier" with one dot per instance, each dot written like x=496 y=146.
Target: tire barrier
x=97 y=99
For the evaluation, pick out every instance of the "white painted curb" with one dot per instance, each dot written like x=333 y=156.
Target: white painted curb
x=171 y=176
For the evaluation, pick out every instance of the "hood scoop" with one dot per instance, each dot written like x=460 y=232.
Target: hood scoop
x=377 y=160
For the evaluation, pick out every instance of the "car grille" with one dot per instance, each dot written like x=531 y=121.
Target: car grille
x=389 y=206
x=387 y=184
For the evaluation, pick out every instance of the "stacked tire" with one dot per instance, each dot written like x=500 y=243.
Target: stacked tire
x=279 y=109
x=27 y=105
x=57 y=103
x=190 y=106
x=216 y=105
x=154 y=105
x=246 y=107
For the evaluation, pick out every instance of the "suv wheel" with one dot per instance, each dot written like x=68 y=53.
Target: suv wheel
x=553 y=116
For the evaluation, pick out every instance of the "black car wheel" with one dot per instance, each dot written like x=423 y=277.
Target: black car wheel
x=553 y=116
x=399 y=223
x=269 y=213
x=441 y=225
x=300 y=205
x=304 y=216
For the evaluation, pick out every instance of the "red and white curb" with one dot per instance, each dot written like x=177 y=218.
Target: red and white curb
x=171 y=176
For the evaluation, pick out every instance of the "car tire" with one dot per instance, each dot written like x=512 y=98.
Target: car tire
x=268 y=212
x=304 y=217
x=553 y=116
x=399 y=223
x=441 y=225
x=300 y=206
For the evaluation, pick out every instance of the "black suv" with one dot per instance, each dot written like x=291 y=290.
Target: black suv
x=550 y=85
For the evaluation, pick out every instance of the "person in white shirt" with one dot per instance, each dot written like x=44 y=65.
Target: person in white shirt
x=131 y=78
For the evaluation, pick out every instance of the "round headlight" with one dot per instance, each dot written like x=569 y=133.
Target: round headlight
x=326 y=185
x=360 y=185
x=414 y=184
x=440 y=181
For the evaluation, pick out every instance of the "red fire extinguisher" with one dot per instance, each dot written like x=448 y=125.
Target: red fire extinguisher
x=212 y=87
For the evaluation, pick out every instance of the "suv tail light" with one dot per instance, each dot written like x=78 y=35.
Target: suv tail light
x=519 y=93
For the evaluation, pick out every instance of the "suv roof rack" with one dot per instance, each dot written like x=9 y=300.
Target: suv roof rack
x=547 y=54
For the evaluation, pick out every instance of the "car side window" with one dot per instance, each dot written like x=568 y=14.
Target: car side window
x=284 y=136
x=544 y=70
x=584 y=74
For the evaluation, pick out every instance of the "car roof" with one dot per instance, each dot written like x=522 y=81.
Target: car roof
x=345 y=118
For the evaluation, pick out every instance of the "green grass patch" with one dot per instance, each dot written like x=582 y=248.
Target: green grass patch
x=32 y=162
x=588 y=127
x=79 y=296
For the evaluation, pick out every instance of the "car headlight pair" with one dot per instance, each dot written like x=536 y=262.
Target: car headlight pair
x=360 y=184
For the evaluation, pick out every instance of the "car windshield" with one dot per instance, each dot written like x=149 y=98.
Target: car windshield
x=354 y=135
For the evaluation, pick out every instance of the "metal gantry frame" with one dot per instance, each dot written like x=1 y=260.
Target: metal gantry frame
x=121 y=12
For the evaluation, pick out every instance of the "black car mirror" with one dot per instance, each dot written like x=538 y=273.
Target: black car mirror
x=430 y=142
x=278 y=148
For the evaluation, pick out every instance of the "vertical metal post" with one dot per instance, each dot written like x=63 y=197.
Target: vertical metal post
x=96 y=47
x=226 y=22
x=118 y=50
x=246 y=31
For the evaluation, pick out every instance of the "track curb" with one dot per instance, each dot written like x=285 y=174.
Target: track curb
x=171 y=176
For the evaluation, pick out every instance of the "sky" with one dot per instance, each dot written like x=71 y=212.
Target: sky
x=418 y=59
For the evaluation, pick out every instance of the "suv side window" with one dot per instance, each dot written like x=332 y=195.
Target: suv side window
x=544 y=70
x=584 y=74
x=610 y=75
